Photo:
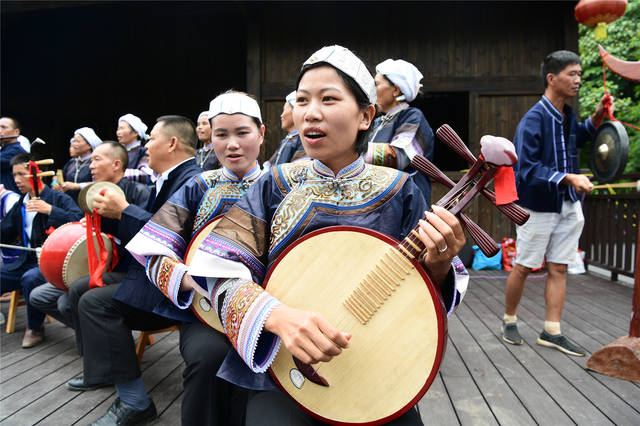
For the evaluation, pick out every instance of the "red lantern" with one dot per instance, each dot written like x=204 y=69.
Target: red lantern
x=599 y=13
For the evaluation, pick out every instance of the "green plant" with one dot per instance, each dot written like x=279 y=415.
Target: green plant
x=623 y=41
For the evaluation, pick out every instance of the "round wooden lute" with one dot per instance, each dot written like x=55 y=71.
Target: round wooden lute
x=370 y=285
x=366 y=287
x=200 y=305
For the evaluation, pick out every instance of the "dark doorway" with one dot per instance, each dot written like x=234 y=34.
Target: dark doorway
x=450 y=108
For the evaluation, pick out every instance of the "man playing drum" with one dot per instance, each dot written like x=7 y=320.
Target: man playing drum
x=108 y=164
x=108 y=314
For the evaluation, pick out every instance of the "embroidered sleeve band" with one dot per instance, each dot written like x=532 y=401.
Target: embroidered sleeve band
x=244 y=311
x=166 y=273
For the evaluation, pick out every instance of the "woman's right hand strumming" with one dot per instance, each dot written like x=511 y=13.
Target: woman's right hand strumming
x=307 y=335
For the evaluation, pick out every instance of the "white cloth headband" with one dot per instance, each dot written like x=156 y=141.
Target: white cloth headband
x=291 y=98
x=203 y=114
x=345 y=60
x=234 y=103
x=403 y=74
x=136 y=124
x=89 y=135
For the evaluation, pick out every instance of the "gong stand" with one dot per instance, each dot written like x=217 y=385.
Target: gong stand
x=621 y=358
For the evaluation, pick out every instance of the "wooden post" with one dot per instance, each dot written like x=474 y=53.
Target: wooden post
x=634 y=327
x=621 y=358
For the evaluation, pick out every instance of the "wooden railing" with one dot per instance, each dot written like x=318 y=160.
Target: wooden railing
x=610 y=235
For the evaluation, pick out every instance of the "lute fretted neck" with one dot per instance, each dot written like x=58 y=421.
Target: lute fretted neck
x=454 y=201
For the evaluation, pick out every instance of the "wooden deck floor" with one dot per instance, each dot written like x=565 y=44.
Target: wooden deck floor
x=481 y=381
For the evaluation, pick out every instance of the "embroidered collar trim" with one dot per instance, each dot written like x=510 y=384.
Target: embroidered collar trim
x=351 y=171
x=250 y=176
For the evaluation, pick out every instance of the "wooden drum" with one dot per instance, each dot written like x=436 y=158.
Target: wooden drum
x=64 y=257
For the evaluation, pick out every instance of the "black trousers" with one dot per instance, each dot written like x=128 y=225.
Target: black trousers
x=207 y=399
x=278 y=409
x=68 y=302
x=107 y=343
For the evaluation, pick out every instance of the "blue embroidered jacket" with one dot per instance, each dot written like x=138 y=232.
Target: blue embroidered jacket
x=546 y=153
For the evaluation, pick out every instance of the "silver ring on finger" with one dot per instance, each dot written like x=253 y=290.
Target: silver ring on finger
x=443 y=250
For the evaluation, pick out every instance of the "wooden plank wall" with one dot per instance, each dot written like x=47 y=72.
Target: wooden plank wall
x=491 y=52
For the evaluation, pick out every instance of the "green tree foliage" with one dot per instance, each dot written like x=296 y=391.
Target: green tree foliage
x=623 y=42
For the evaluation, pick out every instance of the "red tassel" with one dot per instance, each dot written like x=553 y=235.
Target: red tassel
x=505 y=183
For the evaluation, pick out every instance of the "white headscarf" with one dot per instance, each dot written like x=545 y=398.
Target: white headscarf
x=291 y=98
x=345 y=60
x=202 y=114
x=90 y=136
x=234 y=103
x=404 y=75
x=136 y=124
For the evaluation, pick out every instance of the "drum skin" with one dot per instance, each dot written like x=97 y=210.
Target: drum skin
x=64 y=257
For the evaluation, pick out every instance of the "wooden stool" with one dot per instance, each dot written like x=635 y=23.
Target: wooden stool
x=13 y=310
x=146 y=338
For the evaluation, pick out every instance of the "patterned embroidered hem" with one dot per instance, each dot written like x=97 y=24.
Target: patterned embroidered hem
x=244 y=316
x=166 y=273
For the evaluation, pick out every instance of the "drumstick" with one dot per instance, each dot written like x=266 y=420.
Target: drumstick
x=44 y=162
x=10 y=246
x=451 y=138
x=619 y=185
x=44 y=174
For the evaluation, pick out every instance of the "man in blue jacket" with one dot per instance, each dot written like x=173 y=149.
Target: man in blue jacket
x=26 y=225
x=548 y=186
x=107 y=315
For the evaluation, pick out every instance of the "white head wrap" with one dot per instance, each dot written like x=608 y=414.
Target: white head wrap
x=203 y=114
x=24 y=143
x=344 y=60
x=404 y=75
x=291 y=98
x=136 y=124
x=89 y=135
x=234 y=103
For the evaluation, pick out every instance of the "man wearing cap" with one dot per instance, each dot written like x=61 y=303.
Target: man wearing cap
x=76 y=171
x=402 y=131
x=108 y=314
x=26 y=225
x=131 y=133
x=108 y=163
x=9 y=132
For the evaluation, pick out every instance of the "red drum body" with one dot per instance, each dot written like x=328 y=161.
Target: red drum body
x=64 y=256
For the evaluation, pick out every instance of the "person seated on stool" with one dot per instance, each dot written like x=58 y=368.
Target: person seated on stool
x=108 y=164
x=106 y=315
x=26 y=225
x=161 y=244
